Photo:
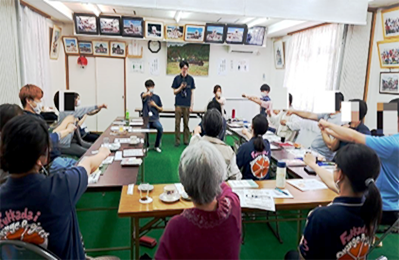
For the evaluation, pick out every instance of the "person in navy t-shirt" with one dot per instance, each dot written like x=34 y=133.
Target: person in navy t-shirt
x=344 y=229
x=387 y=148
x=253 y=157
x=34 y=208
x=152 y=105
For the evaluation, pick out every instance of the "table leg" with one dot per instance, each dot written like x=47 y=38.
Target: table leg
x=137 y=238
x=299 y=226
x=142 y=170
x=132 y=238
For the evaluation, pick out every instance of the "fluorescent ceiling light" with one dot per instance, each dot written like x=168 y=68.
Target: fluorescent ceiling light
x=178 y=16
x=94 y=8
x=247 y=19
x=257 y=21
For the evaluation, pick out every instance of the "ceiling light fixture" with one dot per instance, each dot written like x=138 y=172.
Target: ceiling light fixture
x=257 y=21
x=178 y=16
x=94 y=8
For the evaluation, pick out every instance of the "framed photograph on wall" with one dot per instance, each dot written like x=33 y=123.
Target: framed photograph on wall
x=100 y=48
x=174 y=33
x=215 y=33
x=110 y=25
x=390 y=22
x=85 y=47
x=118 y=49
x=132 y=27
x=256 y=35
x=154 y=30
x=388 y=52
x=85 y=23
x=278 y=51
x=194 y=33
x=71 y=45
x=236 y=33
x=54 y=47
x=389 y=83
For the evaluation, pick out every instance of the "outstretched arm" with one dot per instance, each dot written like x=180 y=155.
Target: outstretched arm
x=326 y=176
x=303 y=114
x=343 y=133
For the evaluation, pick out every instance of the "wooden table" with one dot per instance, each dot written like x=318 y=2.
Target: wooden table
x=157 y=211
x=280 y=154
x=116 y=176
x=170 y=113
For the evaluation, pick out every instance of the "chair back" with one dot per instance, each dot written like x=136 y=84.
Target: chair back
x=16 y=249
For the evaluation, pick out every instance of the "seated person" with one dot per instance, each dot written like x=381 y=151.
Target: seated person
x=152 y=105
x=84 y=132
x=212 y=228
x=387 y=149
x=264 y=101
x=68 y=145
x=213 y=124
x=58 y=163
x=357 y=125
x=217 y=91
x=350 y=222
x=254 y=157
x=286 y=125
x=322 y=142
x=46 y=205
x=200 y=128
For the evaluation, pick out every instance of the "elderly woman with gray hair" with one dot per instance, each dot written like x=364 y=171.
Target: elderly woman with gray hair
x=212 y=229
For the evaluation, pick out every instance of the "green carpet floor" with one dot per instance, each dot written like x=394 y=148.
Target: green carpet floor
x=104 y=229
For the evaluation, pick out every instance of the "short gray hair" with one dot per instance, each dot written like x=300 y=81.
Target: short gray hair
x=201 y=172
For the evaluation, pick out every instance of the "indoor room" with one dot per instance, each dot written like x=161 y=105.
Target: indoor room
x=230 y=129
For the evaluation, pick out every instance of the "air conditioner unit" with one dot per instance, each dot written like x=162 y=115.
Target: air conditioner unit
x=244 y=49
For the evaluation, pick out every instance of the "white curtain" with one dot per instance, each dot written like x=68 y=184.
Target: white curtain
x=312 y=64
x=35 y=52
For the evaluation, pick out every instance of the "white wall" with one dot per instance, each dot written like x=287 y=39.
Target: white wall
x=233 y=84
x=374 y=96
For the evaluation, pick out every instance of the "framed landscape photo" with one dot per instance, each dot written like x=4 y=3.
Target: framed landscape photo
x=174 y=33
x=256 y=35
x=85 y=23
x=194 y=33
x=110 y=25
x=54 y=46
x=389 y=83
x=236 y=33
x=71 y=45
x=132 y=27
x=215 y=33
x=118 y=49
x=154 y=30
x=278 y=51
x=390 y=22
x=388 y=52
x=100 y=48
x=85 y=47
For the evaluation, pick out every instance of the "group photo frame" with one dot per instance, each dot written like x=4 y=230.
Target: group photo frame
x=389 y=83
x=71 y=45
x=154 y=30
x=174 y=32
x=85 y=23
x=390 y=22
x=132 y=26
x=194 y=33
x=388 y=52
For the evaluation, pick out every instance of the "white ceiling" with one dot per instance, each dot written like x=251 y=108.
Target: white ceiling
x=167 y=14
x=382 y=3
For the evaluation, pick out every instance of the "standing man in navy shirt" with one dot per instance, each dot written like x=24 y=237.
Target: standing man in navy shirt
x=183 y=88
x=152 y=105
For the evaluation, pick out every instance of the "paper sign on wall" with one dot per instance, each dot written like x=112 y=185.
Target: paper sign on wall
x=136 y=66
x=154 y=66
x=222 y=67
x=242 y=65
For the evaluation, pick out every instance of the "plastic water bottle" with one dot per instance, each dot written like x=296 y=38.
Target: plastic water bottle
x=281 y=174
x=127 y=115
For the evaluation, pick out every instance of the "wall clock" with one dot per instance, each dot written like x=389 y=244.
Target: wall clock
x=154 y=46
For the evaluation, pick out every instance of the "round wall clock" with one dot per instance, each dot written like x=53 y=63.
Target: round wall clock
x=154 y=46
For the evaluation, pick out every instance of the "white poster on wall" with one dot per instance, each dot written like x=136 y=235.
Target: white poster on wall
x=154 y=66
x=136 y=66
x=222 y=67
x=242 y=65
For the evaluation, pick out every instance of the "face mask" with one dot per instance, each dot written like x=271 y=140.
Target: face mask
x=262 y=94
x=78 y=103
x=38 y=107
x=152 y=90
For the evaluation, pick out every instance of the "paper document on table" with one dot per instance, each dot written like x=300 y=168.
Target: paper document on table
x=108 y=160
x=307 y=184
x=273 y=147
x=119 y=123
x=118 y=156
x=240 y=184
x=279 y=195
x=299 y=153
x=136 y=123
x=255 y=199
x=272 y=138
x=130 y=189
x=133 y=152
x=116 y=128
x=141 y=130
x=122 y=140
x=93 y=178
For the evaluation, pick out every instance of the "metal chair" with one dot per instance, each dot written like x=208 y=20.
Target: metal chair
x=395 y=226
x=16 y=249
